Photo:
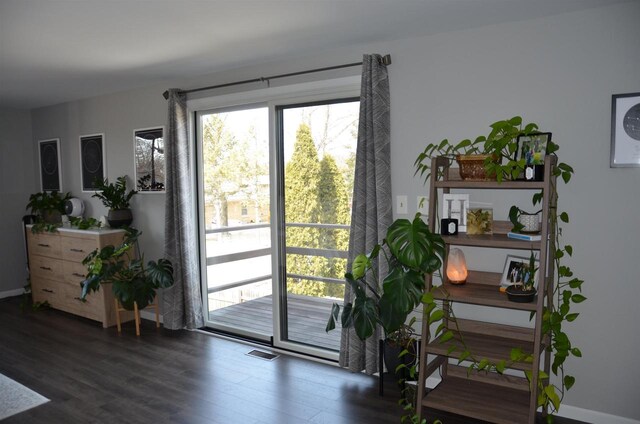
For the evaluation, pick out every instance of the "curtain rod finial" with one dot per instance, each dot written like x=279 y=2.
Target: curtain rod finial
x=386 y=59
x=166 y=95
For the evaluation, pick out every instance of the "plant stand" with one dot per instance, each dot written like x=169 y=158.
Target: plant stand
x=136 y=314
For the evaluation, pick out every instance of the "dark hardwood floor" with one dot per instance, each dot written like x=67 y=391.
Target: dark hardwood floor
x=95 y=375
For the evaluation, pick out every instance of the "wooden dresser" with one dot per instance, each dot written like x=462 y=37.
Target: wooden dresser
x=55 y=263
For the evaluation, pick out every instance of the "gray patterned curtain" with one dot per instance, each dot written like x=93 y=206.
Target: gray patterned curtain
x=182 y=303
x=371 y=213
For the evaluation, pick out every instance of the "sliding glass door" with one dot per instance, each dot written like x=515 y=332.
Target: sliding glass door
x=234 y=177
x=275 y=204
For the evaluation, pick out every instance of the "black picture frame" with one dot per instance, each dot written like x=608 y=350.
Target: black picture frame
x=50 y=165
x=625 y=130
x=149 y=160
x=533 y=148
x=92 y=161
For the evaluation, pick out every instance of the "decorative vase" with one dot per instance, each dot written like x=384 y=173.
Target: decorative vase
x=52 y=217
x=530 y=222
x=472 y=168
x=118 y=218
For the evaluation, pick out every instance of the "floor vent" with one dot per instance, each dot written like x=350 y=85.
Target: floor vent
x=263 y=355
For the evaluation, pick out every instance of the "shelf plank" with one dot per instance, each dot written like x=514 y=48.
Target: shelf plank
x=500 y=241
x=491 y=185
x=480 y=294
x=483 y=401
x=493 y=348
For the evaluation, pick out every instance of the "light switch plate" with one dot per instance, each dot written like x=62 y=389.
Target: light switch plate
x=401 y=205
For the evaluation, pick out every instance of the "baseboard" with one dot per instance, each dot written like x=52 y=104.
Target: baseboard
x=149 y=315
x=572 y=412
x=11 y=293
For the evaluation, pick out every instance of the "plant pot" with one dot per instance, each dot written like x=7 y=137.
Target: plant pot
x=472 y=168
x=515 y=293
x=392 y=359
x=52 y=217
x=119 y=218
x=530 y=222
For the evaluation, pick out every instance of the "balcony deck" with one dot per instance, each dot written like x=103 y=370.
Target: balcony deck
x=307 y=318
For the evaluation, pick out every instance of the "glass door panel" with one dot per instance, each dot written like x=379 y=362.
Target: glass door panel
x=236 y=214
x=318 y=154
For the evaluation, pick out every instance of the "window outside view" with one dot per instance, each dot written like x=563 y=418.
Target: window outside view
x=319 y=143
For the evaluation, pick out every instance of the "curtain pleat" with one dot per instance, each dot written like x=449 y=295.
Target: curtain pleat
x=182 y=303
x=371 y=211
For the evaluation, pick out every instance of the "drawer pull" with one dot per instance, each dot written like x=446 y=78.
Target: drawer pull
x=77 y=250
x=48 y=290
x=46 y=268
x=43 y=245
x=75 y=274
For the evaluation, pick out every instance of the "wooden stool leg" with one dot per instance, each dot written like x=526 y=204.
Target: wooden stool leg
x=118 y=316
x=136 y=313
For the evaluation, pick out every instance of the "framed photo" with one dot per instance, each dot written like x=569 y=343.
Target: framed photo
x=533 y=148
x=50 y=165
x=515 y=268
x=148 y=149
x=625 y=130
x=456 y=206
x=92 y=160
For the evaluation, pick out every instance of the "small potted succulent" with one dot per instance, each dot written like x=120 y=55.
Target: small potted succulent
x=115 y=197
x=524 y=290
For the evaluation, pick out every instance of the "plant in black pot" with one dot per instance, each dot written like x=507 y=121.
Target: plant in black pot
x=132 y=281
x=115 y=197
x=48 y=206
x=412 y=252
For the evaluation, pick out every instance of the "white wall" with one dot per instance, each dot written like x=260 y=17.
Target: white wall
x=559 y=72
x=17 y=180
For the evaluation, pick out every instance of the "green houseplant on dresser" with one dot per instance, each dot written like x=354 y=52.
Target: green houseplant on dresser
x=115 y=197
x=485 y=351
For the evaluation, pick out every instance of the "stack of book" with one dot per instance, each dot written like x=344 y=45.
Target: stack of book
x=525 y=237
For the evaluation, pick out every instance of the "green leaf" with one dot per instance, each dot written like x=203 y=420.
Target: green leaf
x=576 y=352
x=501 y=366
x=331 y=324
x=427 y=298
x=571 y=317
x=414 y=245
x=564 y=217
x=576 y=283
x=483 y=364
x=537 y=198
x=553 y=396
x=160 y=273
x=364 y=315
x=360 y=265
x=578 y=298
x=569 y=381
x=464 y=355
x=435 y=316
x=569 y=249
x=347 y=318
x=446 y=337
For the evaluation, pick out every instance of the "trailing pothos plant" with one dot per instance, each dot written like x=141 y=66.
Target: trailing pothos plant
x=566 y=290
x=500 y=145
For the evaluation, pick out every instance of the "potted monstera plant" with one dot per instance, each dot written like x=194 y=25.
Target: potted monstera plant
x=115 y=197
x=132 y=281
x=412 y=252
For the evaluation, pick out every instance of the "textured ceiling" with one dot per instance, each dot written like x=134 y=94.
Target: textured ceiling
x=52 y=51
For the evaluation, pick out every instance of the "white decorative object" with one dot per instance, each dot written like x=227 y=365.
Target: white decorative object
x=456 y=206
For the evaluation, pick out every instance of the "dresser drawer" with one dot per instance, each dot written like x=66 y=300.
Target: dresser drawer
x=74 y=272
x=44 y=244
x=92 y=307
x=76 y=249
x=48 y=268
x=43 y=290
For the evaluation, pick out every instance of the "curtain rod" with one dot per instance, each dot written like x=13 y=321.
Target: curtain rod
x=386 y=60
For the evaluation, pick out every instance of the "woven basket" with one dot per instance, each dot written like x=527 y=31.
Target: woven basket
x=472 y=168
